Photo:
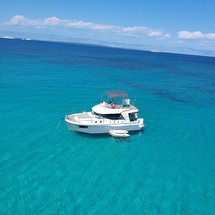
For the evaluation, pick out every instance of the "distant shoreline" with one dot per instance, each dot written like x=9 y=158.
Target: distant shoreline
x=102 y=46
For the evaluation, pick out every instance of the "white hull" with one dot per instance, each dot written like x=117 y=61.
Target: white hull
x=105 y=128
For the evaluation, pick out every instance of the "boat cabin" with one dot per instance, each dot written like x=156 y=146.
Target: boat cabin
x=115 y=107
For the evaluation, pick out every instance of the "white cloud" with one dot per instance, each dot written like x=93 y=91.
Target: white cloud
x=195 y=35
x=88 y=25
x=144 y=30
x=54 y=21
x=21 y=20
x=211 y=36
x=135 y=29
x=51 y=21
x=155 y=33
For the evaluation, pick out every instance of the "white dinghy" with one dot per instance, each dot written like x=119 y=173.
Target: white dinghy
x=119 y=133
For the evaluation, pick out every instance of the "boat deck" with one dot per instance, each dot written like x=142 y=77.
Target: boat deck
x=83 y=116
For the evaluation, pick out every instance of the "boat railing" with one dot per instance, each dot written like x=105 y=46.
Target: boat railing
x=98 y=120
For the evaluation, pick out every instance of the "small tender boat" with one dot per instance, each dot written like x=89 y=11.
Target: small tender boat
x=113 y=113
x=119 y=133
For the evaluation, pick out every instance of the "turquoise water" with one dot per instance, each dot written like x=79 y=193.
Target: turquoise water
x=169 y=168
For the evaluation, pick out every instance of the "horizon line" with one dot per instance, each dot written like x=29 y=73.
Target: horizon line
x=7 y=37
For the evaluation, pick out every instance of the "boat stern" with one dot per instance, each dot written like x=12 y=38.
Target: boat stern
x=141 y=123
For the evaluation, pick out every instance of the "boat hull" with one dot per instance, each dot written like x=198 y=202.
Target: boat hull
x=104 y=128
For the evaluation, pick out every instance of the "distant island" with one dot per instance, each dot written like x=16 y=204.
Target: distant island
x=12 y=38
x=7 y=37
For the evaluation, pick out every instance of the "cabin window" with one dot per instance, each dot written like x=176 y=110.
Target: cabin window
x=113 y=116
x=133 y=116
x=97 y=115
x=109 y=116
x=83 y=126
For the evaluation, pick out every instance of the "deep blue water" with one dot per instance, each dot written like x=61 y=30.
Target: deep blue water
x=169 y=168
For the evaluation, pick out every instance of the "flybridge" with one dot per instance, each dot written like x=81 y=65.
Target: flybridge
x=115 y=99
x=116 y=94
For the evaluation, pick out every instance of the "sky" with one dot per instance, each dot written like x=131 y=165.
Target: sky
x=185 y=26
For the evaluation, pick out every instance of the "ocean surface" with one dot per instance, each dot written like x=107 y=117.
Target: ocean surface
x=168 y=168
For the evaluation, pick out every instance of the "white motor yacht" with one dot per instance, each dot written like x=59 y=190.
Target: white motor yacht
x=114 y=113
